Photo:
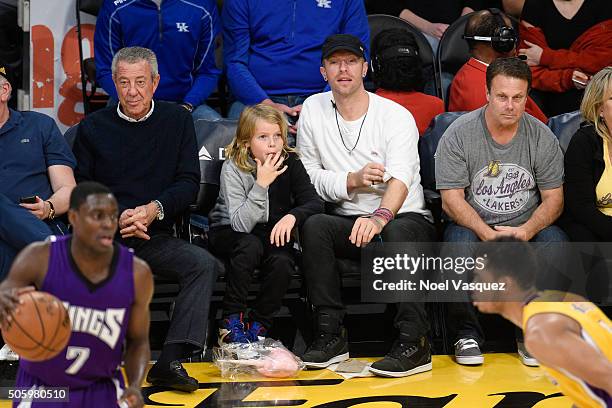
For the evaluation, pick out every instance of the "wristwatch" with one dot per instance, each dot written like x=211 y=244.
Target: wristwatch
x=160 y=210
x=51 y=215
x=187 y=106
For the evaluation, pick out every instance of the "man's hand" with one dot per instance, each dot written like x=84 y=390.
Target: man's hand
x=516 y=232
x=533 y=54
x=40 y=209
x=269 y=170
x=293 y=112
x=134 y=222
x=9 y=301
x=364 y=230
x=132 y=397
x=369 y=175
x=281 y=233
x=436 y=29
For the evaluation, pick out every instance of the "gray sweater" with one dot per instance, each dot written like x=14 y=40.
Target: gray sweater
x=242 y=203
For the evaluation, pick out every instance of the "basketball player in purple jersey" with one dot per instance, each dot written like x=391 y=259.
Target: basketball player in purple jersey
x=106 y=290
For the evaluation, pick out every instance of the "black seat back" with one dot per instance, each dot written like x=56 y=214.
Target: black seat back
x=453 y=51
x=70 y=134
x=212 y=137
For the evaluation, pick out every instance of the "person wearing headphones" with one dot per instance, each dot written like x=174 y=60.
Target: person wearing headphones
x=398 y=73
x=490 y=35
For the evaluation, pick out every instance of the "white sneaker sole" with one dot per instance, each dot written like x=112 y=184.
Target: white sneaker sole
x=396 y=374
x=528 y=360
x=337 y=359
x=471 y=360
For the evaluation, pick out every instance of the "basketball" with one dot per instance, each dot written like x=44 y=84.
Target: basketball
x=39 y=328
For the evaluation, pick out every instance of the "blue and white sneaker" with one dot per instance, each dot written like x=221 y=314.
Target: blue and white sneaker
x=232 y=330
x=256 y=332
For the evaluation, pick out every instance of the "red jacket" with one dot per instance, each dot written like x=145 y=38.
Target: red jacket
x=423 y=107
x=468 y=90
x=591 y=52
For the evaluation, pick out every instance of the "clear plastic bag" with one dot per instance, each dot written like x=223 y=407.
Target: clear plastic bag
x=268 y=358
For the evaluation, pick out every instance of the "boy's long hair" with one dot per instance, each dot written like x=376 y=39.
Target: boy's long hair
x=238 y=149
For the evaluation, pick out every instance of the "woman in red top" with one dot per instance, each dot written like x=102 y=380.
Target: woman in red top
x=565 y=42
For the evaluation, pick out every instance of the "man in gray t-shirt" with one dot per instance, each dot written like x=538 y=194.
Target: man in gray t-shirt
x=500 y=173
x=501 y=181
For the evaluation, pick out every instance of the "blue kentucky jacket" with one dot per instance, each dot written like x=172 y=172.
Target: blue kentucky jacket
x=273 y=47
x=180 y=32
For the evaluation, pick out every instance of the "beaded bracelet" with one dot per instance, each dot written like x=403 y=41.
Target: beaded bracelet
x=384 y=213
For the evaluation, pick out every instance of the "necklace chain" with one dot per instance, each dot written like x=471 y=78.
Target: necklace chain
x=350 y=151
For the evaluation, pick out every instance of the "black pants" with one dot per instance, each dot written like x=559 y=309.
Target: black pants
x=247 y=251
x=326 y=237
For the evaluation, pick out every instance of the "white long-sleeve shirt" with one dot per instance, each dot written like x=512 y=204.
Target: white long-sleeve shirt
x=389 y=136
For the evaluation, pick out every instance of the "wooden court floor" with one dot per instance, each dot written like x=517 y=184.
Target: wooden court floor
x=502 y=382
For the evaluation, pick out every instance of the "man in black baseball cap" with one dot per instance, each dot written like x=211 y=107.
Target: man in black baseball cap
x=342 y=42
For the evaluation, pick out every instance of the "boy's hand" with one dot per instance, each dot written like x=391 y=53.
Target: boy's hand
x=281 y=233
x=269 y=170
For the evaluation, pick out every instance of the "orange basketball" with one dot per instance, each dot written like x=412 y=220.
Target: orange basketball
x=39 y=328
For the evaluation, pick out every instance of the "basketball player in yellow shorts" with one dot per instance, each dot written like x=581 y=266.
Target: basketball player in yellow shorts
x=569 y=336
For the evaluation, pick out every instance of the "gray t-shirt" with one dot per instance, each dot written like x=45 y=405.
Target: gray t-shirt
x=501 y=182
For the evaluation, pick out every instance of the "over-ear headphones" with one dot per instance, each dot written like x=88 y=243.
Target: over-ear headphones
x=504 y=37
x=399 y=50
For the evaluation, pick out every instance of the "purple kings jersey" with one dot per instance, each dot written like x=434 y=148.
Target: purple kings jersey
x=99 y=314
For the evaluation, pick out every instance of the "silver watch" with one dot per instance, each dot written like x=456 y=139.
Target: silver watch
x=160 y=210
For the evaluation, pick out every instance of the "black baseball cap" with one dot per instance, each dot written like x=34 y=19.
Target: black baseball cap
x=7 y=72
x=342 y=42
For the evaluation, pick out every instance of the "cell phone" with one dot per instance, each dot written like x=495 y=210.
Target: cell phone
x=28 y=200
x=579 y=82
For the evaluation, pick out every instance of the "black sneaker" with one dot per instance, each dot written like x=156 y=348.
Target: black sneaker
x=467 y=352
x=327 y=349
x=174 y=376
x=405 y=358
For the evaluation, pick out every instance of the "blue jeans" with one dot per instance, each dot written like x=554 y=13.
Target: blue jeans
x=205 y=112
x=19 y=228
x=462 y=316
x=457 y=233
x=289 y=100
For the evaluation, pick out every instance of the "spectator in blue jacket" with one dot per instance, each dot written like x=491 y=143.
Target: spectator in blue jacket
x=272 y=48
x=182 y=35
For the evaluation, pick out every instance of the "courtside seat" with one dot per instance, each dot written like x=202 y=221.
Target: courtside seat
x=428 y=144
x=564 y=126
x=453 y=52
